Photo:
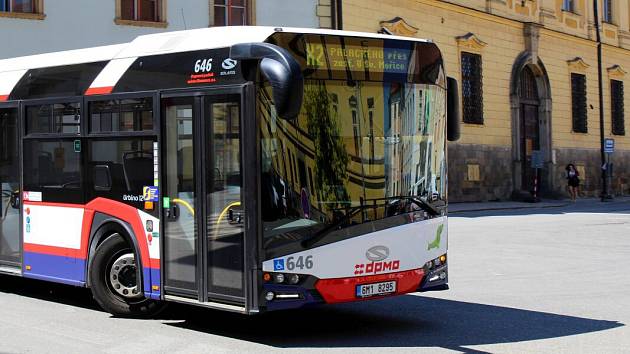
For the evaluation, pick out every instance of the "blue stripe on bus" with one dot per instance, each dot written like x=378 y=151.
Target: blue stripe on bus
x=68 y=270
x=151 y=277
x=59 y=269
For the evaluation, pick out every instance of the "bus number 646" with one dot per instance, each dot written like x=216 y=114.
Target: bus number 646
x=300 y=262
x=204 y=65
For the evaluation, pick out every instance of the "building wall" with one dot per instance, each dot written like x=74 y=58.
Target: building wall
x=301 y=13
x=63 y=25
x=485 y=163
x=66 y=26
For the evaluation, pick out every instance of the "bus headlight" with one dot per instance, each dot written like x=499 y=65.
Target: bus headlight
x=269 y=296
x=279 y=278
x=294 y=279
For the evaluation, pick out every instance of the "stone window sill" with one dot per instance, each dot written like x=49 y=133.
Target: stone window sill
x=22 y=15
x=571 y=13
x=121 y=22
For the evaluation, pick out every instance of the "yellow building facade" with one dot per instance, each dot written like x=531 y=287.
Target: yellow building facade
x=531 y=54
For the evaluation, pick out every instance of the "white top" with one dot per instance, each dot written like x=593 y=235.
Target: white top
x=171 y=42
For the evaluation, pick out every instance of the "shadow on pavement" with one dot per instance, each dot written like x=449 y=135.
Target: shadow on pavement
x=582 y=206
x=406 y=321
x=59 y=293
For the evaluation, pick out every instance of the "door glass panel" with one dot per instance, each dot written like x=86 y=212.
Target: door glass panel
x=180 y=242
x=9 y=178
x=224 y=209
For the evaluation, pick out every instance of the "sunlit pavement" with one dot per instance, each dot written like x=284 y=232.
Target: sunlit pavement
x=526 y=280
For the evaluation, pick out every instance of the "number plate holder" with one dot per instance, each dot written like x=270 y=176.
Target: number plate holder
x=375 y=289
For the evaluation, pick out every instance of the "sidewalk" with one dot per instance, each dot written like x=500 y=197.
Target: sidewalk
x=504 y=205
x=454 y=208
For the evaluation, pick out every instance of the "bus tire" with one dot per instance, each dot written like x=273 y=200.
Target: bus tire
x=114 y=281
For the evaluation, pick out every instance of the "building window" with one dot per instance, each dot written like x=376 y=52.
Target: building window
x=21 y=6
x=141 y=10
x=568 y=5
x=230 y=13
x=617 y=108
x=578 y=102
x=608 y=11
x=472 y=89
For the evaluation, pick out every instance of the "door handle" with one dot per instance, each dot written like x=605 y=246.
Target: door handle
x=172 y=212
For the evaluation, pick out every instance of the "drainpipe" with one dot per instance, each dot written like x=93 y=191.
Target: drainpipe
x=604 y=167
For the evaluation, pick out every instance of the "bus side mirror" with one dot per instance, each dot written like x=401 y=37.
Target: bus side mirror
x=281 y=70
x=452 y=110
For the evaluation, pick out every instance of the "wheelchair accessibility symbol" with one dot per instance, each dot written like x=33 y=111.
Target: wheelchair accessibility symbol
x=278 y=264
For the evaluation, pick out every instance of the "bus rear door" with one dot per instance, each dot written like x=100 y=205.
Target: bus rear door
x=10 y=241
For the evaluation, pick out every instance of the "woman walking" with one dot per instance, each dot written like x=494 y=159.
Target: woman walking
x=573 y=180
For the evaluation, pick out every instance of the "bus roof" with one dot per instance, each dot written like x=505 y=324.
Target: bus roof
x=171 y=42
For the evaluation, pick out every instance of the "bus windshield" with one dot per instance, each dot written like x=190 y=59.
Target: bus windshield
x=358 y=153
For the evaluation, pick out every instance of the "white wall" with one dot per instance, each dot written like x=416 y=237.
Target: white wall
x=289 y=13
x=68 y=26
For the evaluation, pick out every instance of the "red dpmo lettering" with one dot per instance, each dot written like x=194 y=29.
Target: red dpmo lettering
x=376 y=267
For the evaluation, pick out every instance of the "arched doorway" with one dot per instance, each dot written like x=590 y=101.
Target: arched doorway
x=530 y=100
x=530 y=129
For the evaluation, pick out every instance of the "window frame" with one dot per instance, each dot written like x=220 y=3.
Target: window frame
x=616 y=115
x=474 y=120
x=136 y=21
x=8 y=6
x=228 y=6
x=51 y=101
x=568 y=6
x=608 y=13
x=36 y=14
x=575 y=127
x=121 y=96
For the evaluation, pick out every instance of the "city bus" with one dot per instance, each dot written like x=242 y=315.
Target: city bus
x=246 y=169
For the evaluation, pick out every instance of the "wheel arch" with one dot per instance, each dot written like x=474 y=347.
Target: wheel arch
x=104 y=226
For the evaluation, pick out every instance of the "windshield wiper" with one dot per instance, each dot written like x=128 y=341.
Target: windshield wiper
x=423 y=204
x=351 y=212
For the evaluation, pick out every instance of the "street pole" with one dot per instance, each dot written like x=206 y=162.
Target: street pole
x=604 y=167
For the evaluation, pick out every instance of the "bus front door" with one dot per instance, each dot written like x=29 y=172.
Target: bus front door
x=203 y=215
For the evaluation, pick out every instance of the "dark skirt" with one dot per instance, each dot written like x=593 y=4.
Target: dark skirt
x=574 y=182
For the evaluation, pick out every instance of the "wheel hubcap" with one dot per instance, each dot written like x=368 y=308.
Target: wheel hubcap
x=122 y=276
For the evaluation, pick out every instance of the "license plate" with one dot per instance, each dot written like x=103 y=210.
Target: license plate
x=383 y=288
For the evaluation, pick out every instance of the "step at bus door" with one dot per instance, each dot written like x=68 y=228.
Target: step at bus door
x=204 y=236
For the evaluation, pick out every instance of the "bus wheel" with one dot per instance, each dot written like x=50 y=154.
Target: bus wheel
x=114 y=281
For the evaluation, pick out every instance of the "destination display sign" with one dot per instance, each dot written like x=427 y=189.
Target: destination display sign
x=353 y=58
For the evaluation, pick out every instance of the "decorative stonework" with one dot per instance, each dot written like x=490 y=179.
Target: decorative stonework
x=578 y=64
x=325 y=13
x=616 y=71
x=470 y=41
x=399 y=27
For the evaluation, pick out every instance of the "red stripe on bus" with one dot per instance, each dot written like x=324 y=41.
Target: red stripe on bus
x=4 y=98
x=344 y=289
x=99 y=90
x=110 y=207
x=55 y=251
x=88 y=215
x=60 y=205
x=63 y=252
x=130 y=215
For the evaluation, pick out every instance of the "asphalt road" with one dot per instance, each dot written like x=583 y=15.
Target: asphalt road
x=534 y=280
